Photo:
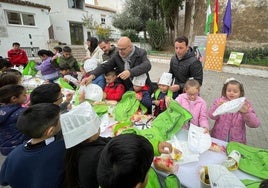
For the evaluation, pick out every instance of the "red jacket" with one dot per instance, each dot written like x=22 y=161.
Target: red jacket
x=17 y=57
x=114 y=91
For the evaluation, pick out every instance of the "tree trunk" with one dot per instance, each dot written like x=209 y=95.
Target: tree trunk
x=191 y=34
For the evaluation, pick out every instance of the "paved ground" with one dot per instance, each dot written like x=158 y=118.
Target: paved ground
x=256 y=90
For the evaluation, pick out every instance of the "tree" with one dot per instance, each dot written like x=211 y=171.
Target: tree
x=157 y=34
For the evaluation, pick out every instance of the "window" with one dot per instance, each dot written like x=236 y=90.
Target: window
x=103 y=20
x=19 y=18
x=79 y=4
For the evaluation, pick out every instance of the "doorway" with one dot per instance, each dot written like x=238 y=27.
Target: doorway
x=76 y=31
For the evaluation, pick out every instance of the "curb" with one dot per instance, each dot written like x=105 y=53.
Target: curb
x=250 y=70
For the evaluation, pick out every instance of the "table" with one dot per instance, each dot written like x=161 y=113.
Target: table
x=188 y=174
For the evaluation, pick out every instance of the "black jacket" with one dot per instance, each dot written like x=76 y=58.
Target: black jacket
x=139 y=64
x=185 y=68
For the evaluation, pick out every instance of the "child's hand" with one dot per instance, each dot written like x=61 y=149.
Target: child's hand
x=206 y=131
x=244 y=108
x=69 y=107
x=104 y=95
x=138 y=96
x=167 y=101
x=69 y=97
x=174 y=88
x=164 y=147
x=82 y=97
x=221 y=102
x=156 y=102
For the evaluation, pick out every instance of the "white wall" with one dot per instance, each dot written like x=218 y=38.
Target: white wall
x=18 y=33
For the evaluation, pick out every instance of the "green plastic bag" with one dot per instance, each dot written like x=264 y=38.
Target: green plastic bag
x=157 y=180
x=64 y=84
x=30 y=69
x=253 y=160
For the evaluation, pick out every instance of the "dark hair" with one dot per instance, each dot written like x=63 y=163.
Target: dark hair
x=14 y=71
x=58 y=48
x=111 y=73
x=9 y=91
x=65 y=66
x=125 y=161
x=45 y=52
x=34 y=121
x=8 y=78
x=15 y=43
x=4 y=63
x=182 y=39
x=46 y=93
x=66 y=49
x=93 y=44
x=104 y=40
x=192 y=83
x=233 y=82
x=264 y=184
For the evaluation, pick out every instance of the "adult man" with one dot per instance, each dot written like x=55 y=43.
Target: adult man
x=184 y=65
x=108 y=49
x=129 y=61
x=17 y=56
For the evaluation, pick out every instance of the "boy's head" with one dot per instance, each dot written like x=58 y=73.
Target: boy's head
x=47 y=93
x=15 y=94
x=4 y=64
x=90 y=64
x=110 y=77
x=65 y=69
x=80 y=124
x=16 y=45
x=139 y=82
x=9 y=78
x=40 y=121
x=67 y=52
x=125 y=162
x=164 y=82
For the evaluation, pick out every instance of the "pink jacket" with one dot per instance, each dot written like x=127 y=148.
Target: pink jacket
x=231 y=126
x=198 y=109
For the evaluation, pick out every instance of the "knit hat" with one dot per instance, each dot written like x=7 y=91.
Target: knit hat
x=139 y=80
x=90 y=64
x=79 y=124
x=165 y=79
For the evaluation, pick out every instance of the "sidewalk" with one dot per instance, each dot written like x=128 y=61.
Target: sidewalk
x=256 y=89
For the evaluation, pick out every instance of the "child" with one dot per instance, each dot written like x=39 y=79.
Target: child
x=17 y=56
x=89 y=66
x=11 y=99
x=81 y=136
x=194 y=104
x=51 y=93
x=40 y=162
x=114 y=89
x=57 y=53
x=162 y=94
x=66 y=74
x=231 y=126
x=48 y=71
x=142 y=91
x=9 y=78
x=4 y=65
x=67 y=58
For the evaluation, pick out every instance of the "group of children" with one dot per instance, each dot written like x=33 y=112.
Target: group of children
x=32 y=127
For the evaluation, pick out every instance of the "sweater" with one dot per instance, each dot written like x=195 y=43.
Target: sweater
x=114 y=91
x=10 y=136
x=197 y=108
x=47 y=70
x=232 y=126
x=39 y=167
x=17 y=57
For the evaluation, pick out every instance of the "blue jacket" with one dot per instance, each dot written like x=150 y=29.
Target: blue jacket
x=10 y=136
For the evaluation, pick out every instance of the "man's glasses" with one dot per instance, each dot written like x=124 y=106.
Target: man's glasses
x=122 y=49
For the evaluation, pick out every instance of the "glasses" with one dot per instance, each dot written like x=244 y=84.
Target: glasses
x=122 y=49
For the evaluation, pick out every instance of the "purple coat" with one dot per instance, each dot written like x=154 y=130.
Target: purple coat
x=47 y=69
x=197 y=108
x=232 y=126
